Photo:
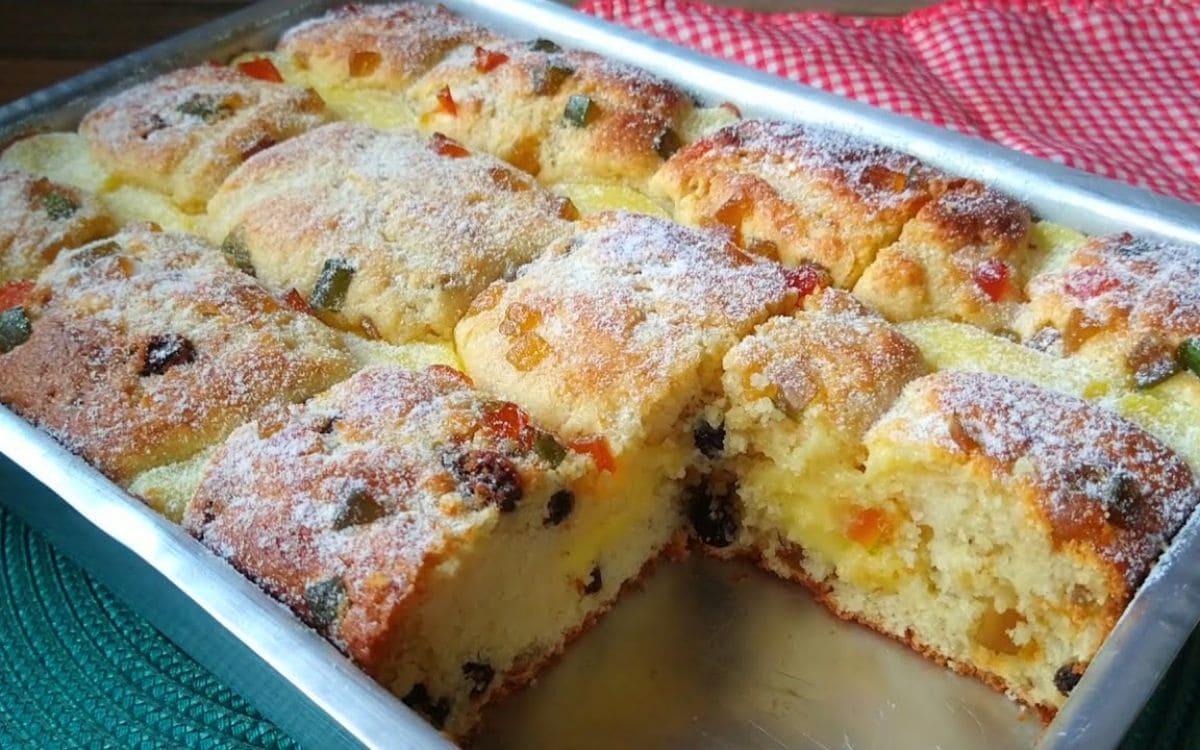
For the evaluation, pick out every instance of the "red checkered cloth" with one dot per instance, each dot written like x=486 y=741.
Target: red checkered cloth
x=1112 y=87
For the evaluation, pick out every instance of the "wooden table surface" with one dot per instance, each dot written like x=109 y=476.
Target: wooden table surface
x=48 y=40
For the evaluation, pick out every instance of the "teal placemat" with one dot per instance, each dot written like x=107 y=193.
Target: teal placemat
x=78 y=669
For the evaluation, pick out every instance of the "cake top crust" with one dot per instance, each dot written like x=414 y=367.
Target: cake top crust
x=38 y=218
x=1099 y=481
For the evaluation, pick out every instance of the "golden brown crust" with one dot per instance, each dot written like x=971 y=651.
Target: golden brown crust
x=147 y=347
x=1135 y=294
x=377 y=46
x=799 y=193
x=38 y=218
x=279 y=498
x=615 y=330
x=963 y=257
x=517 y=111
x=1102 y=486
x=424 y=230
x=183 y=132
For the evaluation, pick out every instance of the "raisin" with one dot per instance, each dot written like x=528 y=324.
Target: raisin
x=488 y=477
x=324 y=600
x=419 y=700
x=709 y=440
x=666 y=143
x=544 y=45
x=166 y=351
x=358 y=509
x=594 y=583
x=1122 y=501
x=1067 y=677
x=713 y=514
x=479 y=675
x=559 y=508
x=1151 y=361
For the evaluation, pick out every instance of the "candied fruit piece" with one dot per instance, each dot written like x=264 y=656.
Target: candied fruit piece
x=14 y=294
x=166 y=351
x=992 y=278
x=358 y=509
x=488 y=477
x=486 y=60
x=527 y=351
x=596 y=446
x=364 y=63
x=262 y=69
x=446 y=101
x=324 y=600
x=519 y=318
x=443 y=146
x=869 y=526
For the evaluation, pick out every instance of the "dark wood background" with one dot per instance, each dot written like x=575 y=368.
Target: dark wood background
x=43 y=41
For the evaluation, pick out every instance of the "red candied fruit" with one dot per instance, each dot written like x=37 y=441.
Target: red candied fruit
x=806 y=278
x=486 y=60
x=992 y=278
x=1091 y=282
x=296 y=301
x=262 y=69
x=444 y=146
x=596 y=447
x=14 y=294
x=446 y=101
x=511 y=423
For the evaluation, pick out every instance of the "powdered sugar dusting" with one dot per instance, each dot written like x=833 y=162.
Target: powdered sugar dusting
x=1102 y=481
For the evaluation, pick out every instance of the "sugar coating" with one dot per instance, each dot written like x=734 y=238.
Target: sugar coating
x=424 y=231
x=88 y=374
x=183 y=132
x=38 y=218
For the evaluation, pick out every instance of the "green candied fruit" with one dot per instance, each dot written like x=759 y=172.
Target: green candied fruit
x=1189 y=354
x=360 y=508
x=549 y=79
x=59 y=206
x=544 y=45
x=331 y=287
x=234 y=248
x=324 y=600
x=549 y=449
x=15 y=328
x=579 y=110
x=205 y=106
x=666 y=143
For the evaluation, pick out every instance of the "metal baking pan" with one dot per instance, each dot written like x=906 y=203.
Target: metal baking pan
x=702 y=655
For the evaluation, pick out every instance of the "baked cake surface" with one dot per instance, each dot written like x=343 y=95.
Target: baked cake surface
x=183 y=132
x=38 y=218
x=619 y=329
x=146 y=347
x=407 y=229
x=415 y=523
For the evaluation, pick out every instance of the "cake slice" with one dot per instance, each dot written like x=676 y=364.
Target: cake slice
x=1124 y=305
x=182 y=133
x=798 y=194
x=142 y=349
x=387 y=234
x=434 y=534
x=39 y=218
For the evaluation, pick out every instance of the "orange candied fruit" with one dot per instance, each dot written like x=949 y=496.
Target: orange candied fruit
x=446 y=101
x=510 y=422
x=506 y=179
x=364 y=63
x=596 y=446
x=486 y=60
x=869 y=526
x=296 y=301
x=519 y=318
x=14 y=294
x=262 y=69
x=444 y=146
x=991 y=276
x=458 y=375
x=527 y=351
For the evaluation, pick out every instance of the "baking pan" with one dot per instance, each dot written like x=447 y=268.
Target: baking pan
x=703 y=655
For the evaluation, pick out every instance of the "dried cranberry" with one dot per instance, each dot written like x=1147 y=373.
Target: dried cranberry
x=488 y=477
x=1067 y=677
x=559 y=508
x=164 y=352
x=712 y=513
x=419 y=700
x=709 y=440
x=479 y=675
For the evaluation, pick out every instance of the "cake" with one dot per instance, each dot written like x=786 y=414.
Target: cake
x=446 y=415
x=184 y=132
x=39 y=218
x=390 y=234
x=141 y=349
x=432 y=532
